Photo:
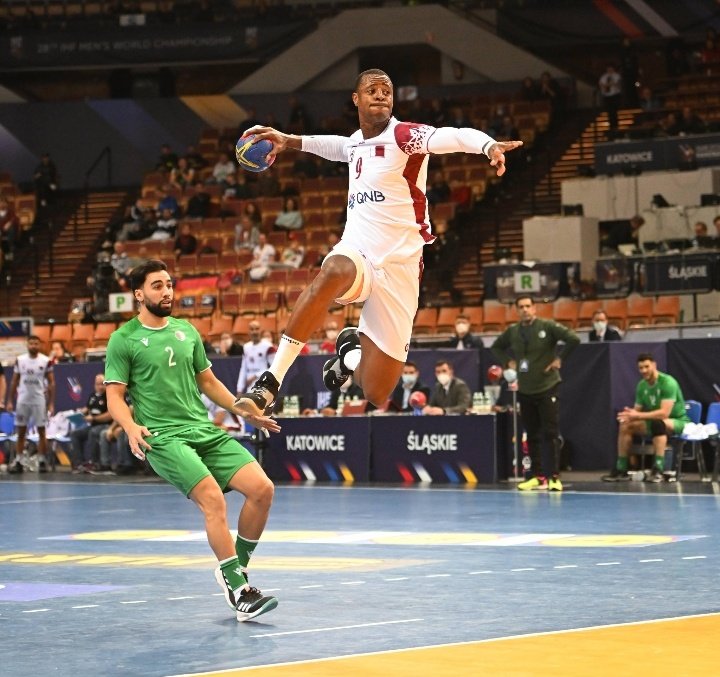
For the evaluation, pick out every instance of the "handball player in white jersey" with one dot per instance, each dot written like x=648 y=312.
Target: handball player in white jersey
x=378 y=260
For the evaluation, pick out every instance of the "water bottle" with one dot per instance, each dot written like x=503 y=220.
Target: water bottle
x=340 y=404
x=476 y=403
x=637 y=475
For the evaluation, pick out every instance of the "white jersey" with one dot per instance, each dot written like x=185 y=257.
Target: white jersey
x=256 y=359
x=33 y=372
x=387 y=211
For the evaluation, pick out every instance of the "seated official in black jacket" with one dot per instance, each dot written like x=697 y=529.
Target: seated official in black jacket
x=463 y=339
x=601 y=331
x=451 y=395
x=409 y=383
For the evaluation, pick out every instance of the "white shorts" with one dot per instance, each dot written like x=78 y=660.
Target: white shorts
x=24 y=413
x=390 y=307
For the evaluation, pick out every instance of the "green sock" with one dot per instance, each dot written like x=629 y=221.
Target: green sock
x=244 y=549
x=622 y=463
x=233 y=573
x=660 y=462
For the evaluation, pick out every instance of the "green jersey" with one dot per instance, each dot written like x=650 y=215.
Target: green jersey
x=665 y=387
x=159 y=368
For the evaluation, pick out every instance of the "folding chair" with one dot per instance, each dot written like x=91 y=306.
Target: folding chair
x=713 y=416
x=694 y=412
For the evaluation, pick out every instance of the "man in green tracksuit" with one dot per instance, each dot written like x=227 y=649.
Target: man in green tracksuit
x=529 y=348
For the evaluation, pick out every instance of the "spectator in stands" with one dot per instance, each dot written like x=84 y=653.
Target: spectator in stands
x=550 y=91
x=185 y=243
x=252 y=211
x=59 y=353
x=120 y=261
x=85 y=441
x=610 y=86
x=450 y=395
x=32 y=396
x=290 y=218
x=293 y=254
x=45 y=178
x=528 y=348
x=409 y=383
x=328 y=343
x=438 y=113
x=529 y=90
x=446 y=259
x=667 y=126
x=306 y=166
x=659 y=411
x=247 y=234
x=165 y=227
x=250 y=121
x=237 y=187
x=458 y=118
x=463 y=339
x=507 y=129
x=182 y=175
x=710 y=53
x=298 y=120
x=629 y=72
x=9 y=228
x=167 y=160
x=690 y=122
x=700 y=234
x=648 y=101
x=228 y=346
x=626 y=232
x=194 y=159
x=222 y=168
x=257 y=357
x=263 y=257
x=716 y=223
x=439 y=189
x=198 y=206
x=167 y=201
x=601 y=330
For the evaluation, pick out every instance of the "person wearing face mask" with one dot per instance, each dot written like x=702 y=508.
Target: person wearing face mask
x=348 y=391
x=601 y=330
x=331 y=332
x=463 y=339
x=409 y=383
x=228 y=346
x=451 y=395
x=257 y=357
x=528 y=351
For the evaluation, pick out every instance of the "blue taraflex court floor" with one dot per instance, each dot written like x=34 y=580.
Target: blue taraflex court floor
x=112 y=578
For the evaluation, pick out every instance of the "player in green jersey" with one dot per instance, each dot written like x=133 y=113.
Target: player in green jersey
x=659 y=411
x=160 y=362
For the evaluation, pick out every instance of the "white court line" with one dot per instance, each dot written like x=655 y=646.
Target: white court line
x=606 y=564
x=486 y=571
x=524 y=569
x=397 y=578
x=492 y=640
x=437 y=575
x=34 y=611
x=135 y=601
x=644 y=561
x=352 y=582
x=185 y=597
x=338 y=627
x=566 y=566
x=61 y=499
x=307 y=587
x=85 y=606
x=696 y=557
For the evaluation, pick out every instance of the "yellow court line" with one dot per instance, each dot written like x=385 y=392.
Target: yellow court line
x=666 y=648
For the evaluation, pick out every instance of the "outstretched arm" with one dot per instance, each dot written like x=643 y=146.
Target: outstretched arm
x=468 y=140
x=328 y=146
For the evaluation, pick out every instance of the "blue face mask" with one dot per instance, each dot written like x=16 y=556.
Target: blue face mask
x=409 y=379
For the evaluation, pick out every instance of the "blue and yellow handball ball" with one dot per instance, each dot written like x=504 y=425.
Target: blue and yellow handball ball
x=253 y=156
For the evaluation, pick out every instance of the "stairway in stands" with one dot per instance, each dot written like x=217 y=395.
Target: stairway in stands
x=538 y=192
x=72 y=258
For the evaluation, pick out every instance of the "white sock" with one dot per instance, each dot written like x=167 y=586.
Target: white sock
x=286 y=353
x=352 y=359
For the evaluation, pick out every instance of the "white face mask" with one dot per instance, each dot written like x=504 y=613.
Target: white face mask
x=226 y=343
x=462 y=328
x=331 y=334
x=444 y=378
x=409 y=379
x=600 y=326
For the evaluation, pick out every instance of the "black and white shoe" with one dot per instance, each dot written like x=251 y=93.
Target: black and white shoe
x=348 y=339
x=654 y=476
x=252 y=603
x=225 y=587
x=333 y=375
x=16 y=467
x=616 y=475
x=261 y=398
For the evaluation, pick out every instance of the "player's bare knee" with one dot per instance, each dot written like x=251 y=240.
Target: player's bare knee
x=264 y=492
x=336 y=275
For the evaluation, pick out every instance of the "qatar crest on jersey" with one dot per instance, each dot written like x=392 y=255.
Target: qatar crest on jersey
x=412 y=137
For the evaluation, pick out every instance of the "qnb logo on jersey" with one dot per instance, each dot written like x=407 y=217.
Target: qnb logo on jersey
x=365 y=196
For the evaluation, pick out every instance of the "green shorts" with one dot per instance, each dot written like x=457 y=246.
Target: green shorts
x=677 y=423
x=185 y=456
